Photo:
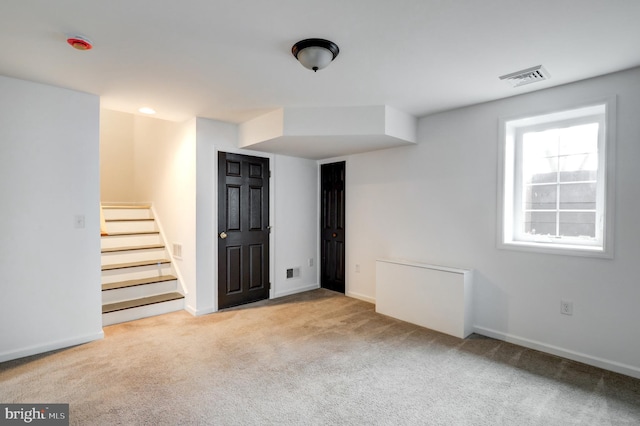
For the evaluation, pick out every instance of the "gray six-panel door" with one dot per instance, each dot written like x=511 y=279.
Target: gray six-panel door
x=243 y=229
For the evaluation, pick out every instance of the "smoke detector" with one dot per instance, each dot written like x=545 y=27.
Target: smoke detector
x=79 y=42
x=528 y=76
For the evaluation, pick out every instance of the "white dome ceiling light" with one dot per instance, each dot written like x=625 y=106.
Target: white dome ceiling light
x=315 y=53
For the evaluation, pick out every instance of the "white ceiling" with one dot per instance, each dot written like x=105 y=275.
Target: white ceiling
x=231 y=60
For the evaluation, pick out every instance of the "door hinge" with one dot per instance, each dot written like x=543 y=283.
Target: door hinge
x=269 y=286
x=269 y=173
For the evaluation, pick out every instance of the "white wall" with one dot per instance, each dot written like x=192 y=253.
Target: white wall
x=165 y=174
x=175 y=166
x=211 y=136
x=116 y=156
x=293 y=207
x=296 y=224
x=436 y=203
x=49 y=174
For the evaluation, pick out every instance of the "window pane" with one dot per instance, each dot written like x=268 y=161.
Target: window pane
x=579 y=176
x=578 y=167
x=582 y=139
x=540 y=223
x=541 y=170
x=540 y=156
x=578 y=196
x=540 y=144
x=540 y=197
x=578 y=224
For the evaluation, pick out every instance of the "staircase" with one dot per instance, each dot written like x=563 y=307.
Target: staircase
x=138 y=279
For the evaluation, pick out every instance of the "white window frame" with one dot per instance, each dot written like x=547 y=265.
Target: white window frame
x=510 y=178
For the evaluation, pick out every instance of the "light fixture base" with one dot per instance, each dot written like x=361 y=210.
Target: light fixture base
x=315 y=53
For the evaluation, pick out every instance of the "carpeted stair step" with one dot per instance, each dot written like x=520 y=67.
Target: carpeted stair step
x=130 y=240
x=126 y=212
x=134 y=264
x=144 y=301
x=146 y=219
x=141 y=281
x=130 y=225
x=119 y=234
x=125 y=206
x=130 y=248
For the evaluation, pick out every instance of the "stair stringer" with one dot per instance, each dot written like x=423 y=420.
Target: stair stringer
x=169 y=250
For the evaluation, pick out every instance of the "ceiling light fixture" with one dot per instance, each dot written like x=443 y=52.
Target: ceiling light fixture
x=80 y=42
x=147 y=110
x=315 y=53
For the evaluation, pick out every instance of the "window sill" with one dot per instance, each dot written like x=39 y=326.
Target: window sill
x=566 y=249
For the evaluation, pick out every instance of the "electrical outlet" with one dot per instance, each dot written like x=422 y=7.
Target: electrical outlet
x=566 y=307
x=310 y=262
x=357 y=268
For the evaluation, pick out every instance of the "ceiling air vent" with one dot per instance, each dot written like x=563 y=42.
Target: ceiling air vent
x=528 y=76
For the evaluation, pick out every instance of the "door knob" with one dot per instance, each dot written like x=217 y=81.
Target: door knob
x=223 y=235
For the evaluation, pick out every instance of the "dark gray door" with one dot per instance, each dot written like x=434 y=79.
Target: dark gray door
x=243 y=229
x=332 y=226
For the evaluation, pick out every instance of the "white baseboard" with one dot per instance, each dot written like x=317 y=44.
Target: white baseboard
x=206 y=311
x=295 y=291
x=51 y=346
x=198 y=312
x=614 y=366
x=361 y=297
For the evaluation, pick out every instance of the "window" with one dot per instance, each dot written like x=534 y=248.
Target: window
x=555 y=183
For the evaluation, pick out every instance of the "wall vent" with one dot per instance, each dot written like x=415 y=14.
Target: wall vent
x=176 y=250
x=528 y=76
x=293 y=273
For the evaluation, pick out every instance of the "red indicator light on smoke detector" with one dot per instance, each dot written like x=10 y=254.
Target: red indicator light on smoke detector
x=80 y=43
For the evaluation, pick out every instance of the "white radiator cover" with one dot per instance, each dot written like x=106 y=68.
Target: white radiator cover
x=435 y=297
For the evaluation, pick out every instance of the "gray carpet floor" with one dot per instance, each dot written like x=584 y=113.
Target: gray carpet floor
x=316 y=358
